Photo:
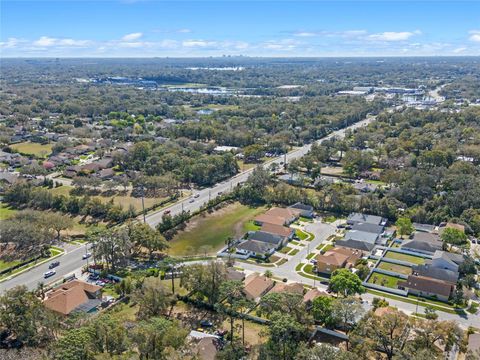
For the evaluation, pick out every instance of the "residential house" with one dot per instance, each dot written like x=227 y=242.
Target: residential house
x=355 y=244
x=427 y=270
x=427 y=287
x=447 y=261
x=204 y=345
x=311 y=295
x=279 y=230
x=367 y=227
x=365 y=218
x=449 y=225
x=364 y=236
x=423 y=242
x=266 y=237
x=72 y=296
x=424 y=227
x=106 y=174
x=306 y=211
x=337 y=258
x=293 y=288
x=255 y=286
x=278 y=216
x=234 y=275
x=254 y=248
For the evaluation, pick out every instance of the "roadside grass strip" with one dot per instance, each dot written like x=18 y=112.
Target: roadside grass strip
x=420 y=302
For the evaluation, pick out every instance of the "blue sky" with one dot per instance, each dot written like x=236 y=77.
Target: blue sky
x=142 y=28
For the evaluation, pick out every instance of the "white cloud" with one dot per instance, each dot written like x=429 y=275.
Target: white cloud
x=459 y=50
x=393 y=36
x=10 y=43
x=305 y=34
x=132 y=36
x=198 y=43
x=474 y=35
x=184 y=31
x=281 y=45
x=45 y=41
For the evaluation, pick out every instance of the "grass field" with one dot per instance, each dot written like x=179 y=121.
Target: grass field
x=285 y=250
x=384 y=280
x=8 y=264
x=212 y=230
x=124 y=200
x=6 y=212
x=405 y=257
x=35 y=149
x=401 y=269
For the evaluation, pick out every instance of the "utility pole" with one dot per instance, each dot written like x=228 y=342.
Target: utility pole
x=209 y=194
x=143 y=204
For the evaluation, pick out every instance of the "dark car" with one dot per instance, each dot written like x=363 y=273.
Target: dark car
x=54 y=264
x=206 y=323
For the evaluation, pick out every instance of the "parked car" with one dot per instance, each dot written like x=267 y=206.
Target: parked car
x=49 y=273
x=196 y=196
x=54 y=264
x=86 y=256
x=191 y=200
x=167 y=212
x=220 y=192
x=100 y=283
x=206 y=323
x=313 y=261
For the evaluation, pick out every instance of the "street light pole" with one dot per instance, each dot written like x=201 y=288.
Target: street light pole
x=143 y=204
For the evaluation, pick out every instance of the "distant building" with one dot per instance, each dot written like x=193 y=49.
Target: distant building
x=306 y=211
x=365 y=218
x=427 y=287
x=337 y=258
x=255 y=286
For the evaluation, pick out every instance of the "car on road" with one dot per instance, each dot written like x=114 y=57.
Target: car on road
x=196 y=196
x=220 y=192
x=86 y=256
x=167 y=212
x=54 y=264
x=49 y=273
x=192 y=200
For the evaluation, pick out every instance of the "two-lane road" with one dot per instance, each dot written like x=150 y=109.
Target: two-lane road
x=70 y=262
x=204 y=195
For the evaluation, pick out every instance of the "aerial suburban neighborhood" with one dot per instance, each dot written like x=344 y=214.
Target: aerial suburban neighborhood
x=239 y=180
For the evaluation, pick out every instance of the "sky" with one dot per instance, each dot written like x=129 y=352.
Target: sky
x=149 y=28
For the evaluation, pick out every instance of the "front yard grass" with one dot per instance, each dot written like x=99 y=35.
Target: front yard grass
x=285 y=250
x=405 y=257
x=311 y=256
x=401 y=269
x=302 y=235
x=294 y=252
x=212 y=230
x=384 y=280
x=251 y=226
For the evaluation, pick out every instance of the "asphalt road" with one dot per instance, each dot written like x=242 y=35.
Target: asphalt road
x=194 y=203
x=70 y=262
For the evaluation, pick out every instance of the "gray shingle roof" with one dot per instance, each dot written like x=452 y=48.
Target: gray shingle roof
x=361 y=236
x=355 y=244
x=365 y=218
x=265 y=237
x=435 y=273
x=257 y=247
x=369 y=228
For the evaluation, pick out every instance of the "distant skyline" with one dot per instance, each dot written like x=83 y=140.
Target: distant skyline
x=143 y=28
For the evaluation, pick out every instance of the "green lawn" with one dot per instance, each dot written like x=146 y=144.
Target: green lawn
x=212 y=230
x=294 y=252
x=293 y=242
x=405 y=257
x=302 y=235
x=35 y=149
x=285 y=250
x=326 y=248
x=311 y=256
x=8 y=264
x=251 y=226
x=401 y=269
x=384 y=280
x=6 y=212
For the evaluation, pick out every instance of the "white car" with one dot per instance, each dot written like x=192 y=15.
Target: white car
x=49 y=273
x=86 y=256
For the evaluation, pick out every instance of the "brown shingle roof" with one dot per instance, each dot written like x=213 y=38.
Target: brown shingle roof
x=277 y=229
x=67 y=297
x=294 y=288
x=286 y=213
x=339 y=256
x=429 y=285
x=256 y=285
x=312 y=294
x=268 y=219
